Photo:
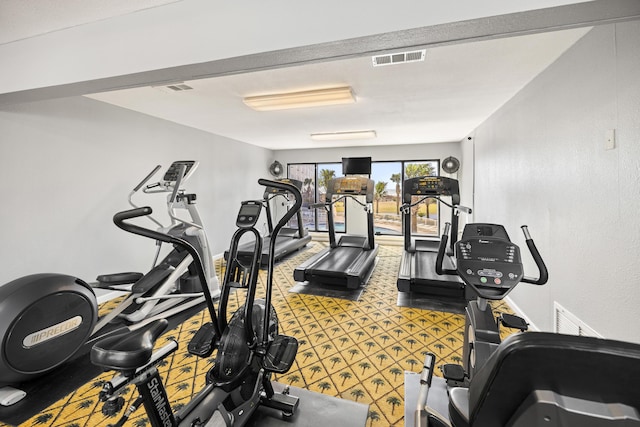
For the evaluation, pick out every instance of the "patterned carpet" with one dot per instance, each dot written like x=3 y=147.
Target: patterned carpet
x=352 y=350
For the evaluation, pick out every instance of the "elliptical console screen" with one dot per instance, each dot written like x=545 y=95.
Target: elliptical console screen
x=171 y=175
x=248 y=214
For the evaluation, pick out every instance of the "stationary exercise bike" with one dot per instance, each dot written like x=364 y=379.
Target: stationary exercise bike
x=48 y=319
x=533 y=379
x=489 y=263
x=249 y=347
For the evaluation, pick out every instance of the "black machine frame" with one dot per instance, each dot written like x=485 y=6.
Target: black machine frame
x=249 y=346
x=288 y=239
x=416 y=273
x=347 y=262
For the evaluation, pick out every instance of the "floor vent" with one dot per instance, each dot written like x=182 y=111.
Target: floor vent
x=567 y=323
x=399 y=58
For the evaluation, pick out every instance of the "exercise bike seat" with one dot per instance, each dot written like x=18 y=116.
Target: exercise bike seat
x=538 y=373
x=130 y=350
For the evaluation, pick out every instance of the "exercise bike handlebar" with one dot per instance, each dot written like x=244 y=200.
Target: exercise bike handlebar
x=543 y=274
x=120 y=219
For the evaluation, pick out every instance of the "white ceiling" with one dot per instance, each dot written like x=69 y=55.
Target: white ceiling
x=21 y=19
x=441 y=99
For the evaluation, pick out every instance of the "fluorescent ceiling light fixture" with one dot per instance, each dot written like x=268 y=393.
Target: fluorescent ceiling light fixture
x=308 y=98
x=340 y=136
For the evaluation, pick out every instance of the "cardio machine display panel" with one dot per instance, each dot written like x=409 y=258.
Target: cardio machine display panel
x=171 y=175
x=485 y=262
x=248 y=214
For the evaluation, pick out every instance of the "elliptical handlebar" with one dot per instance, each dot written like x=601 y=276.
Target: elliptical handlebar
x=120 y=220
x=285 y=186
x=181 y=171
x=147 y=178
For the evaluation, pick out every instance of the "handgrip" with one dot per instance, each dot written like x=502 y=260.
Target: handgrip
x=120 y=220
x=444 y=239
x=421 y=416
x=147 y=178
x=296 y=206
x=543 y=274
x=176 y=187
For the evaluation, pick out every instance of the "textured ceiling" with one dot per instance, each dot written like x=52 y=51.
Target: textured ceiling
x=442 y=99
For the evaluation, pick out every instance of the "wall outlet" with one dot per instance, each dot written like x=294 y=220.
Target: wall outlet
x=610 y=139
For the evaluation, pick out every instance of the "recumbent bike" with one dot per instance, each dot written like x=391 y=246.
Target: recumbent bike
x=531 y=379
x=249 y=348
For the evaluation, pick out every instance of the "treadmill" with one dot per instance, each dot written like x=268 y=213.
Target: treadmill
x=349 y=262
x=417 y=273
x=288 y=240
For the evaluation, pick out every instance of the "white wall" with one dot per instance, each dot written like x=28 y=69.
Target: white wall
x=541 y=160
x=67 y=166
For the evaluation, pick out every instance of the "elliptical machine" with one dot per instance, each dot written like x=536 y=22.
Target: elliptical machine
x=48 y=319
x=249 y=347
x=173 y=282
x=533 y=379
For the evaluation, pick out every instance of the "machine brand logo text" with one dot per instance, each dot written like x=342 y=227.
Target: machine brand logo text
x=160 y=402
x=51 y=332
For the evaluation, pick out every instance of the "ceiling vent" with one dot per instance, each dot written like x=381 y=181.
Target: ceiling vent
x=399 y=58
x=176 y=87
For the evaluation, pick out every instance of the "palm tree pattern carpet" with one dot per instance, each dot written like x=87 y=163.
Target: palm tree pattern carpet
x=357 y=350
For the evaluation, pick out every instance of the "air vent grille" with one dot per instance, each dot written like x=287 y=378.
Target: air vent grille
x=175 y=87
x=399 y=58
x=567 y=323
x=179 y=87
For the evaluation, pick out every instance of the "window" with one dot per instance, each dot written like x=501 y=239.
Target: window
x=388 y=177
x=305 y=173
x=424 y=216
x=326 y=172
x=387 y=199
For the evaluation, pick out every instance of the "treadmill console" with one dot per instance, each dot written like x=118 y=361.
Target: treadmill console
x=272 y=190
x=431 y=186
x=489 y=262
x=350 y=185
x=171 y=175
x=248 y=214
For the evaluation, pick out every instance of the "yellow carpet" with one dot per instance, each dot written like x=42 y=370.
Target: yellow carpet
x=352 y=350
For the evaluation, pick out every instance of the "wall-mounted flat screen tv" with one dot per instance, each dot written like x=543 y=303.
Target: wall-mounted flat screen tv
x=356 y=165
